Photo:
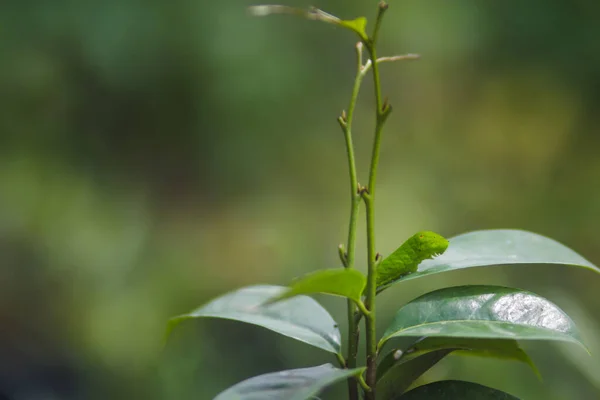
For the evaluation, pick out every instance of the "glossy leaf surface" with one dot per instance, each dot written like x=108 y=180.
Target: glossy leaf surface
x=485 y=312
x=455 y=390
x=340 y=282
x=295 y=384
x=301 y=317
x=498 y=247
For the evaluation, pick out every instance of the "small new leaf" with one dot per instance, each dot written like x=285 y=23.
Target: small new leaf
x=357 y=25
x=348 y=283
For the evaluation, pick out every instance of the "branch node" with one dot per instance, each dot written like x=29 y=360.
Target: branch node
x=342 y=121
x=343 y=255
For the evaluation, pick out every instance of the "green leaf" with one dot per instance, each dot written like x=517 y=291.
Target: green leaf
x=499 y=247
x=398 y=378
x=454 y=390
x=295 y=384
x=357 y=25
x=301 y=318
x=484 y=312
x=507 y=349
x=348 y=283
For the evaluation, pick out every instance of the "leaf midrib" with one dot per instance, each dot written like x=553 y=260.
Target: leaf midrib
x=470 y=321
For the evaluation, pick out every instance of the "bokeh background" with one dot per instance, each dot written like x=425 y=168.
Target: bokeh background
x=156 y=154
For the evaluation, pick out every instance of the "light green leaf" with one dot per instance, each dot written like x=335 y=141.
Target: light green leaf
x=348 y=283
x=295 y=384
x=357 y=25
x=301 y=317
x=454 y=390
x=499 y=247
x=484 y=312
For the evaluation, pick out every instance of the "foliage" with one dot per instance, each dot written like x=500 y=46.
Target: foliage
x=482 y=320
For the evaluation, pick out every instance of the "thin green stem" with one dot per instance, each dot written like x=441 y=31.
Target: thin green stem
x=348 y=256
x=363 y=384
x=370 y=300
x=362 y=308
x=369 y=198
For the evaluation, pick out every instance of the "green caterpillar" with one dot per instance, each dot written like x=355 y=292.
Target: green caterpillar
x=406 y=258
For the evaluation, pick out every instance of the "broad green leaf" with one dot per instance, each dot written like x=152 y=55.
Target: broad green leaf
x=507 y=349
x=484 y=312
x=340 y=282
x=301 y=317
x=454 y=390
x=295 y=384
x=357 y=25
x=499 y=247
x=398 y=378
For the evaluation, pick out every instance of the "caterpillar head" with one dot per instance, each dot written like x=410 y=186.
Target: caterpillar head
x=429 y=244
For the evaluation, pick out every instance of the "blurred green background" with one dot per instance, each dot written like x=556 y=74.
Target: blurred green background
x=156 y=154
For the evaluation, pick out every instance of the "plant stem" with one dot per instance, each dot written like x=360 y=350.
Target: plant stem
x=370 y=300
x=348 y=258
x=363 y=384
x=362 y=308
x=369 y=197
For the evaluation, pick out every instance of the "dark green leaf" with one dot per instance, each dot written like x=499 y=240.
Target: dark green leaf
x=341 y=282
x=301 y=317
x=499 y=247
x=398 y=378
x=484 y=312
x=494 y=348
x=454 y=390
x=295 y=384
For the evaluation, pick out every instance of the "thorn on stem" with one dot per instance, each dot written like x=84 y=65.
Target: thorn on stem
x=377 y=257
